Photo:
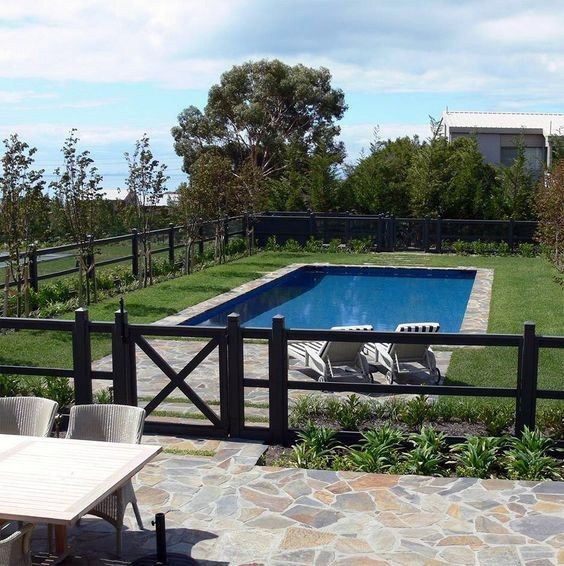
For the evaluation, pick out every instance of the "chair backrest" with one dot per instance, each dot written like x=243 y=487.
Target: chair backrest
x=27 y=416
x=15 y=545
x=106 y=423
x=343 y=351
x=411 y=352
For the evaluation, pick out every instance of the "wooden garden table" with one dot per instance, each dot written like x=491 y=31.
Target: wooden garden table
x=57 y=481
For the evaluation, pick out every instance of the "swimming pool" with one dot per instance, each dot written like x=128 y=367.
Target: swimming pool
x=326 y=296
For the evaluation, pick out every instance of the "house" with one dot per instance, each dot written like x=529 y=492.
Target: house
x=499 y=133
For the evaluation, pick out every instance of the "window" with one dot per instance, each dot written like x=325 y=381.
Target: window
x=534 y=157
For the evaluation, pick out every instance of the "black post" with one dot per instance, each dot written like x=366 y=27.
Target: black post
x=426 y=234
x=439 y=241
x=236 y=391
x=278 y=382
x=379 y=222
x=311 y=223
x=510 y=233
x=33 y=276
x=201 y=241
x=394 y=233
x=82 y=359
x=526 y=402
x=348 y=228
x=171 y=243
x=135 y=252
x=225 y=232
x=123 y=360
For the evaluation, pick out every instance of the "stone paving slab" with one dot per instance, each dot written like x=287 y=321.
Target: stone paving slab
x=226 y=510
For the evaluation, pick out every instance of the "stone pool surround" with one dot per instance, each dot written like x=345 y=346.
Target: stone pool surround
x=475 y=318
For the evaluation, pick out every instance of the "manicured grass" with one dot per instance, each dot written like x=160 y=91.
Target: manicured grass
x=524 y=289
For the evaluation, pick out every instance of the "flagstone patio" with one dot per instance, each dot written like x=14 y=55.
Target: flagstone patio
x=226 y=510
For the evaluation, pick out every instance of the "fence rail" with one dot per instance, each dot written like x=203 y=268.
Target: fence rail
x=388 y=233
x=385 y=233
x=229 y=342
x=232 y=226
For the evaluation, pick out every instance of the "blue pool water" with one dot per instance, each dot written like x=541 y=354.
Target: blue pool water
x=322 y=297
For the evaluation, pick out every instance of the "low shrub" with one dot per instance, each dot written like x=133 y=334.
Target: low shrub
x=356 y=413
x=361 y=246
x=313 y=246
x=528 y=458
x=292 y=245
x=236 y=246
x=386 y=449
x=271 y=244
x=527 y=250
x=477 y=457
x=58 y=389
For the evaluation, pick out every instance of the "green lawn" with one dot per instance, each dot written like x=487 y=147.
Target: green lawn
x=524 y=289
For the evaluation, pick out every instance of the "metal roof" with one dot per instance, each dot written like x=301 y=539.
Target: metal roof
x=548 y=122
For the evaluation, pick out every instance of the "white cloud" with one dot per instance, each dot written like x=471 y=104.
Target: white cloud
x=435 y=46
x=101 y=41
x=21 y=96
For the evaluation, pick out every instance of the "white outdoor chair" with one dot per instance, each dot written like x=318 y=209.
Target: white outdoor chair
x=325 y=357
x=394 y=356
x=27 y=416
x=15 y=547
x=110 y=423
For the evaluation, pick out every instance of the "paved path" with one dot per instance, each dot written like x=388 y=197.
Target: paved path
x=226 y=510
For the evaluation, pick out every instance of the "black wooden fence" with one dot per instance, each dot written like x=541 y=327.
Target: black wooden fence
x=167 y=241
x=388 y=233
x=229 y=340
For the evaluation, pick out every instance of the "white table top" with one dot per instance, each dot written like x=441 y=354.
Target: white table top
x=58 y=480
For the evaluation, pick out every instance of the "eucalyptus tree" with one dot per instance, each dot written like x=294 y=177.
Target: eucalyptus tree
x=257 y=112
x=78 y=192
x=146 y=183
x=21 y=190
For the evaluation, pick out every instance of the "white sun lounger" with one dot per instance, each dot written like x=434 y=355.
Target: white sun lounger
x=325 y=357
x=394 y=356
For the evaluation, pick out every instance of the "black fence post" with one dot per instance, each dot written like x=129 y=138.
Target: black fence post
x=201 y=241
x=312 y=229
x=526 y=402
x=33 y=275
x=171 y=243
x=81 y=357
x=236 y=391
x=278 y=382
x=426 y=234
x=394 y=230
x=379 y=233
x=510 y=233
x=225 y=231
x=123 y=361
x=348 y=228
x=439 y=234
x=135 y=252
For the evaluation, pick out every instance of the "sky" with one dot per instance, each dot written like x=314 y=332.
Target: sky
x=116 y=69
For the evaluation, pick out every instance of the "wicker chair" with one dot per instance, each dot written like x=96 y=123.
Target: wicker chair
x=110 y=423
x=27 y=416
x=15 y=548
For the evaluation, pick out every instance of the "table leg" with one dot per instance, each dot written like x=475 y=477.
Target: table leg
x=61 y=540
